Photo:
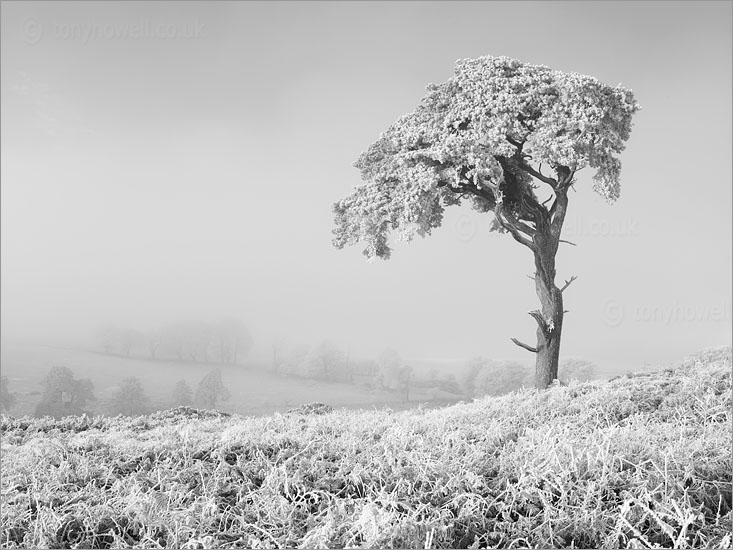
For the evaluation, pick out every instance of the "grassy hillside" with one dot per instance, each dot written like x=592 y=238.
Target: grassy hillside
x=635 y=462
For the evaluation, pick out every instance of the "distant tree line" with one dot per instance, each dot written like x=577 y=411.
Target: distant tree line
x=226 y=341
x=388 y=371
x=329 y=362
x=65 y=395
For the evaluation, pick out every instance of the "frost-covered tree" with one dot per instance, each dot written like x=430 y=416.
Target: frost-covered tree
x=210 y=390
x=182 y=395
x=129 y=399
x=389 y=364
x=327 y=361
x=63 y=394
x=509 y=138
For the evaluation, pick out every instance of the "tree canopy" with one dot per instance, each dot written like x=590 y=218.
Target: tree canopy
x=484 y=136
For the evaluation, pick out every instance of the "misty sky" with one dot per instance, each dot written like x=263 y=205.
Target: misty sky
x=167 y=161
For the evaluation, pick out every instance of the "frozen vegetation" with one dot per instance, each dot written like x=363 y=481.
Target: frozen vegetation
x=640 y=461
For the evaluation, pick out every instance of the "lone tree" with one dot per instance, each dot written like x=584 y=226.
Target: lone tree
x=484 y=136
x=210 y=390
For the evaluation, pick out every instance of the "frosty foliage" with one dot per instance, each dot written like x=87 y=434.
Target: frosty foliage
x=474 y=137
x=640 y=462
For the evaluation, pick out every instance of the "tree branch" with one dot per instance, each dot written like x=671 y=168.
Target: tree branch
x=517 y=144
x=566 y=242
x=499 y=213
x=560 y=208
x=552 y=182
x=518 y=224
x=540 y=321
x=565 y=176
x=523 y=345
x=568 y=283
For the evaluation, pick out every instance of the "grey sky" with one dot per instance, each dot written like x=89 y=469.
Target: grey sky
x=179 y=160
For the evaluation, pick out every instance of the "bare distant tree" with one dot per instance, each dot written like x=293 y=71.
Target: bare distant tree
x=232 y=339
x=187 y=340
x=153 y=339
x=278 y=345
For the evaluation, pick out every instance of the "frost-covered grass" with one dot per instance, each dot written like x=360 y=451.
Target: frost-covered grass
x=636 y=462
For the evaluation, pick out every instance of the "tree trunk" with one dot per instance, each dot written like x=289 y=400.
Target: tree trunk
x=550 y=317
x=538 y=228
x=549 y=330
